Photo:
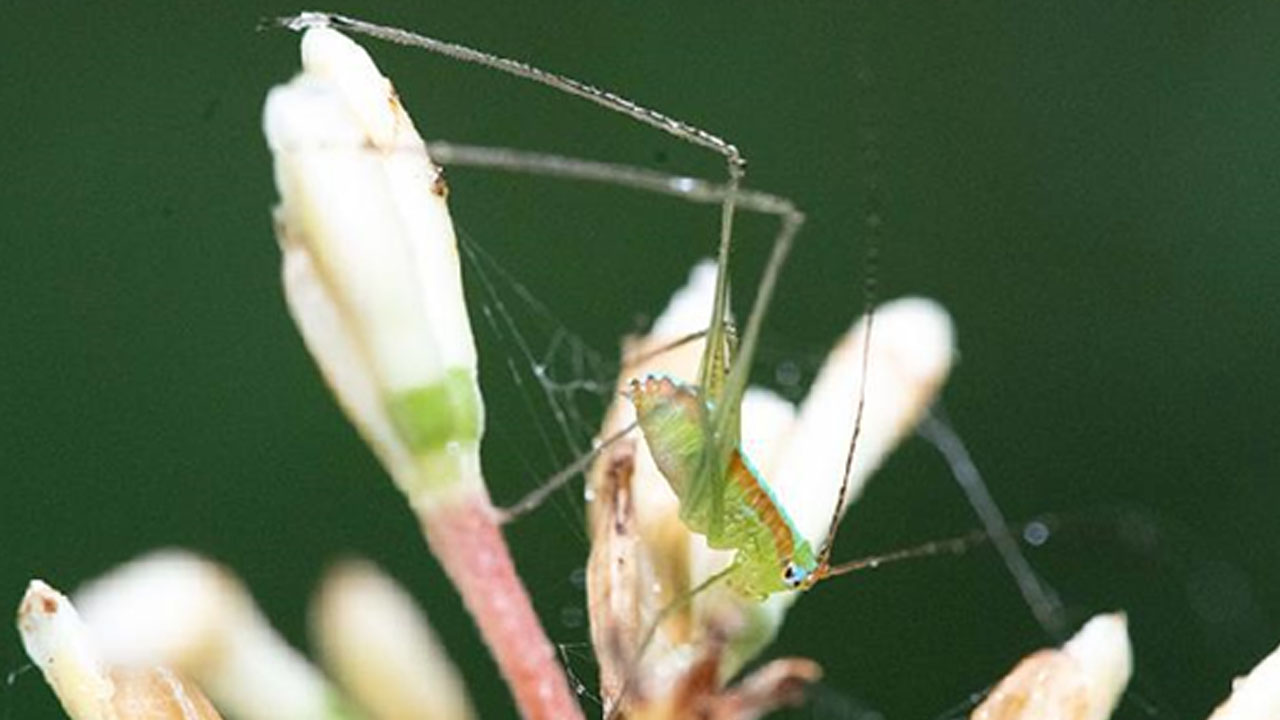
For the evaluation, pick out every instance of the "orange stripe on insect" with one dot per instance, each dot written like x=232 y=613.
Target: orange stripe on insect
x=762 y=504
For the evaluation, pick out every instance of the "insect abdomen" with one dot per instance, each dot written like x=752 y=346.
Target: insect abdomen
x=675 y=424
x=675 y=427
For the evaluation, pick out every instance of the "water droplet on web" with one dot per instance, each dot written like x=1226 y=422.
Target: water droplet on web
x=572 y=617
x=1036 y=533
x=787 y=375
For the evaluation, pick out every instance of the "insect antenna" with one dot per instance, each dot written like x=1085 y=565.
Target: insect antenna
x=948 y=546
x=604 y=98
x=825 y=553
x=870 y=288
x=955 y=545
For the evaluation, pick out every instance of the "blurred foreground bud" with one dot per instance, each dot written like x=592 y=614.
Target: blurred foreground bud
x=1082 y=681
x=1255 y=696
x=176 y=609
x=381 y=649
x=643 y=559
x=371 y=267
x=88 y=687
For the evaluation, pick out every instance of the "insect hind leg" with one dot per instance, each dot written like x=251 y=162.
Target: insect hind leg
x=689 y=189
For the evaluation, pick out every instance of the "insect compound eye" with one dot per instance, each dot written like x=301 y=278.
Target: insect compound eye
x=792 y=576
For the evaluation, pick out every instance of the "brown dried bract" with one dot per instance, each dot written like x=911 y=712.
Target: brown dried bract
x=781 y=683
x=611 y=571
x=699 y=695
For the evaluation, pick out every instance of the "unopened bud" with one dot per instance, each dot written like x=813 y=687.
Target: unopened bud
x=371 y=268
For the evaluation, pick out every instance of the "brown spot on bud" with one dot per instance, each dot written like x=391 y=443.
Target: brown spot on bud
x=439 y=187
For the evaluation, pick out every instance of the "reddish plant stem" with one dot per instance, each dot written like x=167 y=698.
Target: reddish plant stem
x=465 y=537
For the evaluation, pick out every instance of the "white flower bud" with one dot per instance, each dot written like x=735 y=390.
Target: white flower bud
x=58 y=643
x=371 y=268
x=1082 y=681
x=378 y=644
x=176 y=609
x=1255 y=696
x=89 y=687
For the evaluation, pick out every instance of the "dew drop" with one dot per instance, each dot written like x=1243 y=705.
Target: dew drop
x=1036 y=533
x=572 y=617
x=787 y=375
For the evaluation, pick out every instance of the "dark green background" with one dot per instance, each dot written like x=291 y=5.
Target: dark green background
x=1090 y=187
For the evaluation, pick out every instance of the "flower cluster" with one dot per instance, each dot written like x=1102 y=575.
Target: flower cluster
x=372 y=279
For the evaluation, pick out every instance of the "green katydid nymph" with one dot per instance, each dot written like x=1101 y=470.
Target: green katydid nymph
x=693 y=435
x=693 y=430
x=772 y=555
